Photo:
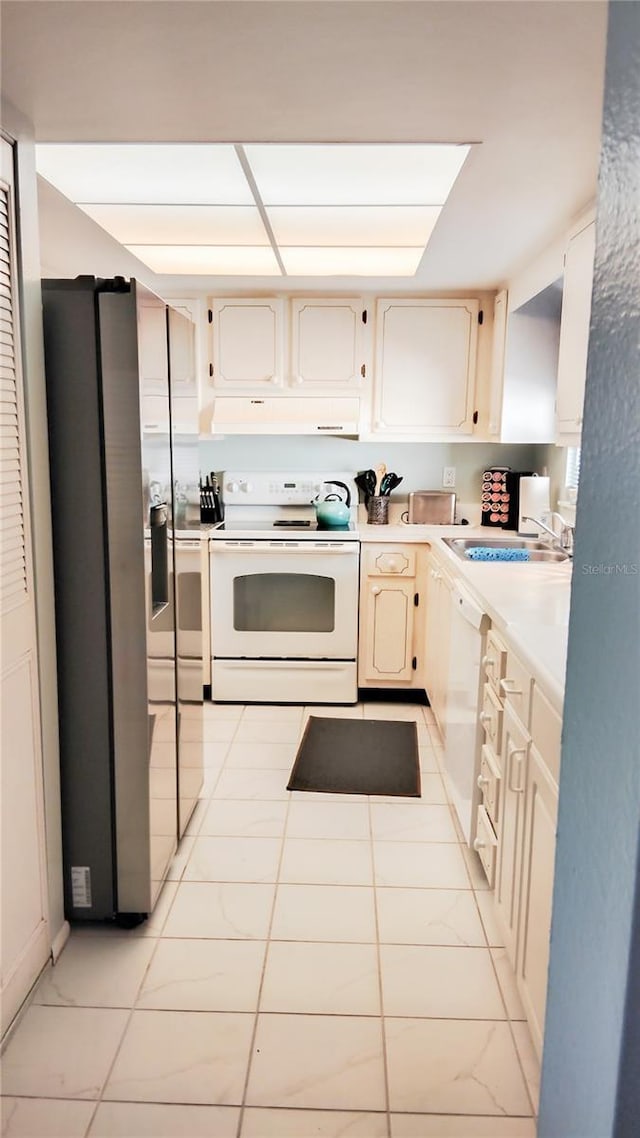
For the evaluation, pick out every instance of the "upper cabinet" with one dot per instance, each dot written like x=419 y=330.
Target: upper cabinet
x=329 y=344
x=424 y=383
x=574 y=334
x=248 y=343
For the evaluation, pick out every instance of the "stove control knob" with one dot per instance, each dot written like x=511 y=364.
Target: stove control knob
x=232 y=487
x=246 y=487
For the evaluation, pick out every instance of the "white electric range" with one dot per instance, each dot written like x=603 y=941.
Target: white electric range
x=284 y=593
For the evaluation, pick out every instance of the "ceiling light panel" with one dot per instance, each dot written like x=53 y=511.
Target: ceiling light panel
x=350 y=262
x=209 y=260
x=382 y=174
x=353 y=225
x=181 y=224
x=153 y=173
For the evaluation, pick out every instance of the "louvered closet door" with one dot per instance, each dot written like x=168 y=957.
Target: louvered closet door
x=25 y=932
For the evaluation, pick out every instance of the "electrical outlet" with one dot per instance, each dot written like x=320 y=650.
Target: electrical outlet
x=449 y=477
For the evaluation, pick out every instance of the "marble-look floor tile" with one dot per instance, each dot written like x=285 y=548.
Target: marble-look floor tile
x=267 y=785
x=507 y=982
x=233 y=859
x=222 y=710
x=323 y=1062
x=429 y=916
x=422 y=865
x=460 y=1126
x=454 y=1067
x=474 y=868
x=235 y=818
x=261 y=756
x=161 y=1120
x=307 y=861
x=44 y=1118
x=324 y=913
x=529 y=1061
x=439 y=982
x=428 y=760
x=400 y=712
x=178 y=865
x=215 y=754
x=330 y=979
x=487 y=906
x=219 y=730
x=260 y=1122
x=331 y=712
x=182 y=1057
x=429 y=823
x=204 y=975
x=328 y=820
x=273 y=713
x=62 y=1052
x=432 y=789
x=259 y=731
x=223 y=910
x=96 y=972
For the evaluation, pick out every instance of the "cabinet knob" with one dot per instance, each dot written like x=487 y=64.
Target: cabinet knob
x=481 y=781
x=393 y=566
x=478 y=844
x=485 y=717
x=488 y=662
x=508 y=689
x=375 y=590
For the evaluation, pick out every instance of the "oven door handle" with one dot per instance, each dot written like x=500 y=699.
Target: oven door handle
x=327 y=548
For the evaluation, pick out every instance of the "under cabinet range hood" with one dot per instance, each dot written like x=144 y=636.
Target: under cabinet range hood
x=285 y=415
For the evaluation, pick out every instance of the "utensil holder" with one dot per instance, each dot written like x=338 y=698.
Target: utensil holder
x=378 y=510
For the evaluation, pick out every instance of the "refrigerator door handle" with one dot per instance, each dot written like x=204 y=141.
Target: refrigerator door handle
x=159 y=525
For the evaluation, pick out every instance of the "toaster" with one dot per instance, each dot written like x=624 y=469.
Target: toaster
x=431 y=508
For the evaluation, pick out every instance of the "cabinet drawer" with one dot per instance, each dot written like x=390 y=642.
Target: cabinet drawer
x=494 y=660
x=390 y=561
x=491 y=717
x=546 y=732
x=489 y=784
x=486 y=845
x=515 y=688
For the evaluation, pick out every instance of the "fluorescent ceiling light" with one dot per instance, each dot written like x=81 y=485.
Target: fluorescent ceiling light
x=209 y=260
x=353 y=224
x=181 y=224
x=381 y=174
x=149 y=173
x=350 y=262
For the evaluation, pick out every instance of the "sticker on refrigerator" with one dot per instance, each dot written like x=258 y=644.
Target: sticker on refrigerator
x=81 y=886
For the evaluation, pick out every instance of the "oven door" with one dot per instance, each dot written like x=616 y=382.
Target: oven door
x=284 y=599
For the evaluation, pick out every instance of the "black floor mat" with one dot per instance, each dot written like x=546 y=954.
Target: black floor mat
x=358 y=756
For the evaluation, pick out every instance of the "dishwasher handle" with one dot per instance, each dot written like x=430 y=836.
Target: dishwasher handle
x=467 y=607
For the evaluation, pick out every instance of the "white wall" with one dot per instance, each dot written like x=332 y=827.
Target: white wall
x=420 y=464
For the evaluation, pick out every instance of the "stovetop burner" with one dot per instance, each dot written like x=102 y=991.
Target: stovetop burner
x=295 y=523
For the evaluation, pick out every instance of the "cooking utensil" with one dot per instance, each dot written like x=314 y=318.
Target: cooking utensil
x=366 y=480
x=389 y=483
x=380 y=473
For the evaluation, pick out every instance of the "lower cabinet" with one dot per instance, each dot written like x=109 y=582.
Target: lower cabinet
x=390 y=632
x=536 y=893
x=438 y=639
x=515 y=749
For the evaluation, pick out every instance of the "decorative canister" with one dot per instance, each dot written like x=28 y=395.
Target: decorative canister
x=378 y=510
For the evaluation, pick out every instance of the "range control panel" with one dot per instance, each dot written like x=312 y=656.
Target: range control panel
x=274 y=488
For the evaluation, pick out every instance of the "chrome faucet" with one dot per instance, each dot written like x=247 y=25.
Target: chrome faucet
x=564 y=540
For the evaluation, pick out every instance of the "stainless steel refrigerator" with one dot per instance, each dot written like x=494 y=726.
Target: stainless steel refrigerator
x=108 y=356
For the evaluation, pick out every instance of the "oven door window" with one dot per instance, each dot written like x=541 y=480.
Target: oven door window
x=284 y=602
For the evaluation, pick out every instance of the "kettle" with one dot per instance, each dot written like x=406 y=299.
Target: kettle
x=331 y=511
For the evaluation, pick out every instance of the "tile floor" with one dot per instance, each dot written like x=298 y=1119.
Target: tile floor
x=316 y=965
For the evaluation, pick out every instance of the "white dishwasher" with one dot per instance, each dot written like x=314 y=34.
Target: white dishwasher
x=469 y=625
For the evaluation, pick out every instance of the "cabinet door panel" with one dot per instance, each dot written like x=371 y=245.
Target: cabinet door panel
x=537 y=893
x=425 y=367
x=327 y=346
x=515 y=748
x=389 y=630
x=247 y=339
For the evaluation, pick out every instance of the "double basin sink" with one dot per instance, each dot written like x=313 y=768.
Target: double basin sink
x=538 y=550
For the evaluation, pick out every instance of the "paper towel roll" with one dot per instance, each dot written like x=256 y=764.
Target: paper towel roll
x=534 y=502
